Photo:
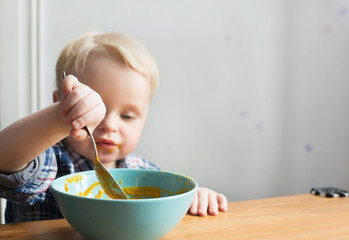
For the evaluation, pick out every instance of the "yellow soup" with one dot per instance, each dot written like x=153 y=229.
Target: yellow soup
x=136 y=192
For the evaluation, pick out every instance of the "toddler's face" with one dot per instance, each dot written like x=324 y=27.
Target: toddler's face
x=126 y=95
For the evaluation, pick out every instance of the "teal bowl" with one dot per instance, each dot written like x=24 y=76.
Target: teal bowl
x=97 y=217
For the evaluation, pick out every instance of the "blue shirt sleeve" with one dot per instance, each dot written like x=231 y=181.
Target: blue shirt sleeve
x=30 y=184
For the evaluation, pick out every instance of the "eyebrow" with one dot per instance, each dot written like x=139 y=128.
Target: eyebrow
x=136 y=107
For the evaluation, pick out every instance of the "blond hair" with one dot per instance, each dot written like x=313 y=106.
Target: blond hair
x=135 y=55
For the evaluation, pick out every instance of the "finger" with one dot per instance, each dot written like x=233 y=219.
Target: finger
x=90 y=118
x=212 y=203
x=78 y=101
x=222 y=202
x=193 y=210
x=202 y=202
x=79 y=134
x=73 y=98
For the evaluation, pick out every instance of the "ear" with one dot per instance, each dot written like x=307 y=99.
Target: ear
x=55 y=96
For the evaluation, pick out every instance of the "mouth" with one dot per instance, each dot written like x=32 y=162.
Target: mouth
x=107 y=144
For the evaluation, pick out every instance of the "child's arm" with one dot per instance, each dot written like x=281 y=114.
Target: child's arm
x=208 y=201
x=28 y=137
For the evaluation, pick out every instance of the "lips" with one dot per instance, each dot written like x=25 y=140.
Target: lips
x=107 y=144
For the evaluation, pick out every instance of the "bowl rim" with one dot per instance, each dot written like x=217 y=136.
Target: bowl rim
x=54 y=190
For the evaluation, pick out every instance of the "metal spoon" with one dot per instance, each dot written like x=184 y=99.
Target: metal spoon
x=110 y=186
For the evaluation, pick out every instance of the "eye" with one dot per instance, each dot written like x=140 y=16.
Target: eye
x=126 y=116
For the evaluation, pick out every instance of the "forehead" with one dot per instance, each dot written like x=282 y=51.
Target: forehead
x=114 y=80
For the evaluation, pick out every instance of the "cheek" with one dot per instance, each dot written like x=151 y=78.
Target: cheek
x=131 y=138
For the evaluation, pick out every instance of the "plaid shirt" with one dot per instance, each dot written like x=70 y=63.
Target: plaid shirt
x=27 y=192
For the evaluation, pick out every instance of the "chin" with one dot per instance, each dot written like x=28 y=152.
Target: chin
x=108 y=159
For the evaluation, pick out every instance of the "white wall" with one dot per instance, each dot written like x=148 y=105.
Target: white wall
x=315 y=101
x=253 y=94
x=19 y=60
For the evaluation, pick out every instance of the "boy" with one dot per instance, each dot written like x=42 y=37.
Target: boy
x=115 y=80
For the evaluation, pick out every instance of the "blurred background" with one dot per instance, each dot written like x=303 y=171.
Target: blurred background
x=253 y=95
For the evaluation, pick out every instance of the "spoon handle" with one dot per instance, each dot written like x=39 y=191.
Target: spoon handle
x=93 y=143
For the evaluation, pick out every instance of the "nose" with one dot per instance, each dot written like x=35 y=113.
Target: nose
x=109 y=123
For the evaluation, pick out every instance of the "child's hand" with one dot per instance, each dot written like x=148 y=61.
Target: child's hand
x=80 y=106
x=208 y=201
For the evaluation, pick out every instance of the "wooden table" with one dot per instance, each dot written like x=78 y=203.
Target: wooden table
x=292 y=217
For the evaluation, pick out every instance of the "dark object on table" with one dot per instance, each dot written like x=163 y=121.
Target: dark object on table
x=329 y=192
